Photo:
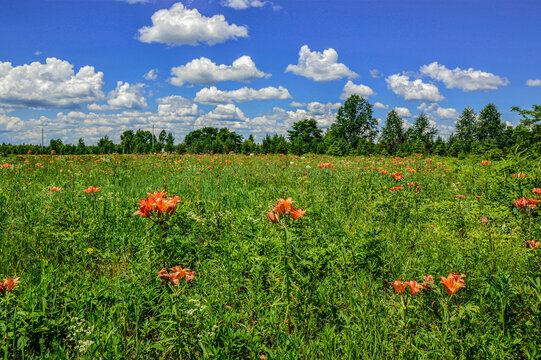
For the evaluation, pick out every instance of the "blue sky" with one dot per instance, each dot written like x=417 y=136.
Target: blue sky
x=89 y=68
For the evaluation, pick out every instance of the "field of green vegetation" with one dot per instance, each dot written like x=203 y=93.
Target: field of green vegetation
x=326 y=285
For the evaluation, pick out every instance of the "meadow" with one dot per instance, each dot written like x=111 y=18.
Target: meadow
x=357 y=276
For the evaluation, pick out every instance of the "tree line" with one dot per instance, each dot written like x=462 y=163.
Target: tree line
x=355 y=132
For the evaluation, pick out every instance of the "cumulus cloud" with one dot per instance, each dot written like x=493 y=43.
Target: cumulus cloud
x=447 y=113
x=378 y=105
x=151 y=75
x=320 y=66
x=214 y=96
x=466 y=80
x=176 y=106
x=280 y=120
x=227 y=115
x=181 y=26
x=50 y=85
x=125 y=96
x=402 y=111
x=413 y=90
x=533 y=82
x=175 y=114
x=203 y=71
x=351 y=89
x=245 y=4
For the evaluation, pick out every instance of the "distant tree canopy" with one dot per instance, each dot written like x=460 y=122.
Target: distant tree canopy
x=305 y=136
x=355 y=121
x=353 y=133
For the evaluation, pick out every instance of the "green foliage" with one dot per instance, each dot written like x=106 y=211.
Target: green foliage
x=355 y=121
x=466 y=127
x=89 y=286
x=393 y=132
x=490 y=125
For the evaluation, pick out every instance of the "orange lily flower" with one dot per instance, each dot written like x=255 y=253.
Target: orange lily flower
x=524 y=202
x=92 y=189
x=453 y=282
x=428 y=280
x=399 y=286
x=272 y=216
x=177 y=273
x=157 y=204
x=397 y=176
x=283 y=206
x=8 y=284
x=532 y=244
x=415 y=287
x=297 y=213
x=537 y=191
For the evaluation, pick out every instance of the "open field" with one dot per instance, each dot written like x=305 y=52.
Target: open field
x=88 y=267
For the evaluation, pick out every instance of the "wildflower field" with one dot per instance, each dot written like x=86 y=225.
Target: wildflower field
x=269 y=257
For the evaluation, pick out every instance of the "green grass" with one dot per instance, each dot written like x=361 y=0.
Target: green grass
x=89 y=286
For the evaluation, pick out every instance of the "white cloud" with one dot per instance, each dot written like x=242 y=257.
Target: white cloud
x=175 y=114
x=466 y=80
x=135 y=1
x=280 y=120
x=375 y=73
x=181 y=26
x=402 y=111
x=447 y=113
x=214 y=96
x=436 y=109
x=203 y=71
x=413 y=90
x=37 y=52
x=176 y=106
x=317 y=108
x=320 y=67
x=297 y=104
x=245 y=4
x=533 y=82
x=351 y=89
x=8 y=123
x=379 y=105
x=50 y=85
x=125 y=96
x=151 y=75
x=227 y=115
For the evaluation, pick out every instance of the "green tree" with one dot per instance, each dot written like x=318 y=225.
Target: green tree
x=422 y=133
x=304 y=136
x=393 y=131
x=81 y=146
x=529 y=117
x=56 y=145
x=127 y=141
x=106 y=145
x=466 y=128
x=354 y=121
x=490 y=125
x=170 y=143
